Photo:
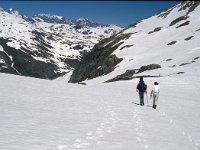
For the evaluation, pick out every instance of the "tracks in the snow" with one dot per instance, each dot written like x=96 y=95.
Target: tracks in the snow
x=182 y=131
x=140 y=130
x=96 y=137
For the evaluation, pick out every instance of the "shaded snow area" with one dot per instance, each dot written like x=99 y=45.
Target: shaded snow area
x=40 y=114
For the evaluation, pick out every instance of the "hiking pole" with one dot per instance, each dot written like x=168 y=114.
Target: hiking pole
x=147 y=98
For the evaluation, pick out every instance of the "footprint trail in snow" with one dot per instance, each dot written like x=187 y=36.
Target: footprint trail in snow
x=96 y=137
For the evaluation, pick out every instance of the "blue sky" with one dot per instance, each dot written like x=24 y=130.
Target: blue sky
x=121 y=13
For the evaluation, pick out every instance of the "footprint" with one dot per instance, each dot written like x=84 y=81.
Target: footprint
x=77 y=145
x=183 y=133
x=90 y=137
x=89 y=134
x=62 y=147
x=86 y=144
x=102 y=125
x=94 y=138
x=78 y=140
x=140 y=134
x=190 y=138
x=107 y=122
x=113 y=119
x=101 y=135
x=99 y=142
x=138 y=139
x=113 y=114
x=109 y=131
x=146 y=145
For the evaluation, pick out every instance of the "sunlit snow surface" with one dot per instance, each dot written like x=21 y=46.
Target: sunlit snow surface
x=55 y=115
x=40 y=114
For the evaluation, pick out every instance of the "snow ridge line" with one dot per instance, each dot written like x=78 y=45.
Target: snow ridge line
x=95 y=138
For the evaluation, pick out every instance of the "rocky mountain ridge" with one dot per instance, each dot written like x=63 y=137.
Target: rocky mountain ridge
x=147 y=42
x=46 y=46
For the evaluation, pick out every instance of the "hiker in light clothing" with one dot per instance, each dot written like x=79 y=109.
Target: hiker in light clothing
x=155 y=93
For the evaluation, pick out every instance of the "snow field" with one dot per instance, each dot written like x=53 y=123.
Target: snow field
x=55 y=115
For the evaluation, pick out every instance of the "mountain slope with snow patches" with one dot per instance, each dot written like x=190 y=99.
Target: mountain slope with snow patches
x=169 y=39
x=38 y=114
x=46 y=46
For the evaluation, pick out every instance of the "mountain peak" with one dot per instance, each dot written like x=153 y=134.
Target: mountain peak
x=11 y=11
x=82 y=19
x=85 y=22
x=50 y=18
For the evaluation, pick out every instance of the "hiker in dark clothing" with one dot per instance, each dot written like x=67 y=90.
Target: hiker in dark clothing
x=141 y=88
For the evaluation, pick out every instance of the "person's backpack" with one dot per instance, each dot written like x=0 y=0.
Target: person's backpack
x=142 y=87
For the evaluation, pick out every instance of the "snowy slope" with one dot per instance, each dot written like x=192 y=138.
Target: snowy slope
x=153 y=48
x=52 y=42
x=55 y=115
x=170 y=39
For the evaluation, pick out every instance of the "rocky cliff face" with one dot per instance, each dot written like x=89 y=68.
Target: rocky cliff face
x=100 y=60
x=169 y=35
x=46 y=46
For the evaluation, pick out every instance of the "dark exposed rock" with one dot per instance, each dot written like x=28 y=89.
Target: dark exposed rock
x=126 y=46
x=73 y=63
x=188 y=38
x=178 y=20
x=172 y=66
x=171 y=43
x=169 y=59
x=134 y=24
x=183 y=64
x=99 y=61
x=129 y=78
x=180 y=72
x=25 y=65
x=78 y=47
x=125 y=76
x=176 y=73
x=192 y=5
x=82 y=83
x=165 y=14
x=148 y=67
x=155 y=30
x=198 y=30
x=196 y=58
x=38 y=34
x=91 y=70
x=50 y=37
x=85 y=32
x=5 y=66
x=183 y=24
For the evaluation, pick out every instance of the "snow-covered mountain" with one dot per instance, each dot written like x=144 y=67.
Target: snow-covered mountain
x=46 y=46
x=40 y=114
x=162 y=45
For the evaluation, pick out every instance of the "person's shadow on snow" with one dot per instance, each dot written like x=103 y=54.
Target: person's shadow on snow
x=139 y=104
